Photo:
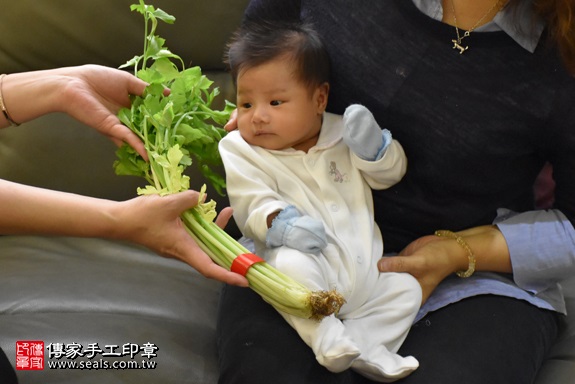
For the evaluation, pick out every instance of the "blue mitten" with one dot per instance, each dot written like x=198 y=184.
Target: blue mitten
x=293 y=230
x=363 y=135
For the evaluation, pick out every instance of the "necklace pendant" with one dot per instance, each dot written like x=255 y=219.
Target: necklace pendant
x=457 y=45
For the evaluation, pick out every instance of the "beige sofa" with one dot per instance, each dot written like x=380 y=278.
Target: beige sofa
x=97 y=292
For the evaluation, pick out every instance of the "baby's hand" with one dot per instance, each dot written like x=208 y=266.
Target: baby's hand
x=293 y=230
x=363 y=135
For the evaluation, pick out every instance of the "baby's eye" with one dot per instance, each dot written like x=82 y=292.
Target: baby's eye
x=246 y=105
x=275 y=102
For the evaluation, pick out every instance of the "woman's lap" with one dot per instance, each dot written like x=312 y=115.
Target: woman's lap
x=256 y=345
x=482 y=339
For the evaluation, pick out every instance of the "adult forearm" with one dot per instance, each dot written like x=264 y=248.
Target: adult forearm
x=489 y=247
x=30 y=210
x=29 y=95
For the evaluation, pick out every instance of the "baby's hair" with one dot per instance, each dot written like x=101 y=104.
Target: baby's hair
x=257 y=43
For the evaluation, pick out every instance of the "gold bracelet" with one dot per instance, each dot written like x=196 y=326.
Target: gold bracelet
x=3 y=106
x=463 y=243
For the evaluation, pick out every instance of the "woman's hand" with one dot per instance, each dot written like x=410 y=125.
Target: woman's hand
x=91 y=94
x=232 y=123
x=94 y=95
x=430 y=259
x=154 y=222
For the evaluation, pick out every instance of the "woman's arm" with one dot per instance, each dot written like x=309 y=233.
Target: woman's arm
x=538 y=247
x=431 y=259
x=152 y=221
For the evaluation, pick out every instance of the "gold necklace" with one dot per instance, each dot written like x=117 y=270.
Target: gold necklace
x=457 y=42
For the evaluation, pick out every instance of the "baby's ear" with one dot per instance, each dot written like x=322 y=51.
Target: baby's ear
x=320 y=97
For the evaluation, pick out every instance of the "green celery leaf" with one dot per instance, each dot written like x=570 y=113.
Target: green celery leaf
x=155 y=45
x=132 y=62
x=176 y=126
x=166 y=68
x=165 y=17
x=130 y=163
x=189 y=133
x=150 y=190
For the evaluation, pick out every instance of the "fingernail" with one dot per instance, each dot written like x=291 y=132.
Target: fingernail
x=380 y=264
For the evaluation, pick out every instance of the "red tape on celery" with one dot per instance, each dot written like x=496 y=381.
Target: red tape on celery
x=242 y=263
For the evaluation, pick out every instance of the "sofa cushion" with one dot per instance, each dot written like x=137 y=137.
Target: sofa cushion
x=64 y=290
x=560 y=365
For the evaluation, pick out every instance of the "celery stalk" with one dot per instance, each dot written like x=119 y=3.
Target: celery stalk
x=182 y=125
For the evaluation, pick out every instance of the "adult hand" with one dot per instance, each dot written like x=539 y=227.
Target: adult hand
x=91 y=94
x=232 y=123
x=94 y=95
x=154 y=222
x=429 y=259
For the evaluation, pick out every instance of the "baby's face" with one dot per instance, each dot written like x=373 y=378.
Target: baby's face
x=275 y=110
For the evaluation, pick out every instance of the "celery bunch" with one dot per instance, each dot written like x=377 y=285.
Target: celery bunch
x=178 y=126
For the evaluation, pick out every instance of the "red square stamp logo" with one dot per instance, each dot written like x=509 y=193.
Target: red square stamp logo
x=29 y=355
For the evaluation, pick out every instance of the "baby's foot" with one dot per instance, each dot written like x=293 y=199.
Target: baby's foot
x=384 y=366
x=338 y=354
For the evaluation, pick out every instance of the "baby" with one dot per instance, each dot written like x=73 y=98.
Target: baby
x=299 y=180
